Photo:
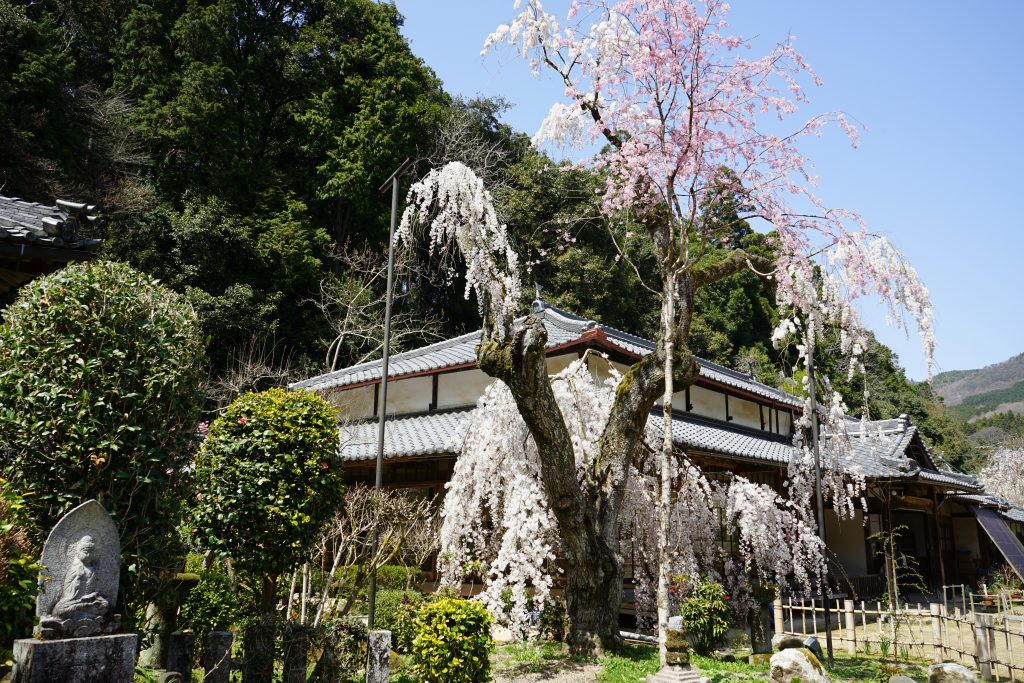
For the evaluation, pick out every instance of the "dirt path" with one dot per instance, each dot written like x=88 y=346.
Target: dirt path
x=555 y=672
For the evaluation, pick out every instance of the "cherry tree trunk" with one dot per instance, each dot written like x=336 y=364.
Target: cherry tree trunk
x=593 y=597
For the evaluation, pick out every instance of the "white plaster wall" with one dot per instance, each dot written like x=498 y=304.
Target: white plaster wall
x=410 y=395
x=705 y=402
x=352 y=404
x=462 y=388
x=558 y=363
x=600 y=368
x=785 y=423
x=745 y=413
x=846 y=540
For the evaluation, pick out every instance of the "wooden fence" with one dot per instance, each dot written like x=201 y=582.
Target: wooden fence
x=992 y=643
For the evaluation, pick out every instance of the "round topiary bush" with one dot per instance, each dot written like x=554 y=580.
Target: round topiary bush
x=267 y=479
x=452 y=643
x=100 y=367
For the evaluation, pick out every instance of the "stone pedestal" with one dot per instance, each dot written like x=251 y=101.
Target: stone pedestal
x=296 y=653
x=217 y=657
x=760 y=629
x=179 y=654
x=378 y=657
x=98 y=659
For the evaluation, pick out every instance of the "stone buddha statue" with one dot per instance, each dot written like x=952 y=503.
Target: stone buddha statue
x=78 y=588
x=79 y=598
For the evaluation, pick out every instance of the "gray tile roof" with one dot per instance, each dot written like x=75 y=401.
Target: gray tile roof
x=989 y=500
x=55 y=226
x=414 y=436
x=562 y=328
x=440 y=433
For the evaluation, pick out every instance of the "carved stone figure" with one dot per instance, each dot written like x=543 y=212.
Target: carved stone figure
x=78 y=585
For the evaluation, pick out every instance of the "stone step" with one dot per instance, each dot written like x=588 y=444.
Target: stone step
x=677 y=674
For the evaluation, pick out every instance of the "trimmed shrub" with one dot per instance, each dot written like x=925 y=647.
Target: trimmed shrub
x=396 y=612
x=452 y=643
x=100 y=368
x=267 y=480
x=705 y=612
x=211 y=606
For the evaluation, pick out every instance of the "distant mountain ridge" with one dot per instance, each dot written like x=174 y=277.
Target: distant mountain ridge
x=993 y=389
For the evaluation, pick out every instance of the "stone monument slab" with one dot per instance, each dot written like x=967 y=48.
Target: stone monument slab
x=81 y=569
x=99 y=659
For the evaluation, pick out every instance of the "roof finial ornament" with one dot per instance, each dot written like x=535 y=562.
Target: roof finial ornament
x=538 y=304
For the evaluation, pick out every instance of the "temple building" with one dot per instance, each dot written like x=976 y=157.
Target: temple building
x=727 y=422
x=36 y=239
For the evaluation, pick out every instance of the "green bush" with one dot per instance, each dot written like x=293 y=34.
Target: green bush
x=398 y=577
x=396 y=612
x=389 y=577
x=554 y=622
x=705 y=611
x=341 y=644
x=267 y=480
x=210 y=606
x=18 y=569
x=452 y=643
x=100 y=368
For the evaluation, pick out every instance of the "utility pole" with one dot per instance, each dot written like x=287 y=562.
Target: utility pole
x=383 y=407
x=820 y=495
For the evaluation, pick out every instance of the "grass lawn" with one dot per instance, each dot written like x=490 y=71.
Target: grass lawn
x=635 y=662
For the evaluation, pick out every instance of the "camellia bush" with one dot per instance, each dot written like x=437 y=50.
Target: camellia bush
x=266 y=481
x=705 y=610
x=100 y=367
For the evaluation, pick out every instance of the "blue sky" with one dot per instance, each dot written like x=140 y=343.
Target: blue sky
x=939 y=87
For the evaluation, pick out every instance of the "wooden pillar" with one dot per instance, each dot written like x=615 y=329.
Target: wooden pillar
x=938 y=537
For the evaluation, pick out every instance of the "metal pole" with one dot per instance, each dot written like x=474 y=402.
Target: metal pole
x=820 y=498
x=383 y=405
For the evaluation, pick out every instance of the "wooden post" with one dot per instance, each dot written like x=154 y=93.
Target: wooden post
x=780 y=622
x=981 y=649
x=936 y=613
x=851 y=627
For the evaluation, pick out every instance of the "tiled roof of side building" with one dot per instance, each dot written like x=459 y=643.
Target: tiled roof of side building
x=55 y=226
x=990 y=500
x=562 y=328
x=440 y=433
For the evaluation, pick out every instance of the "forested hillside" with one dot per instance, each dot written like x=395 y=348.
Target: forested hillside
x=994 y=389
x=236 y=148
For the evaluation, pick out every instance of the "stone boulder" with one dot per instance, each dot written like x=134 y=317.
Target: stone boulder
x=948 y=672
x=794 y=664
x=900 y=678
x=786 y=641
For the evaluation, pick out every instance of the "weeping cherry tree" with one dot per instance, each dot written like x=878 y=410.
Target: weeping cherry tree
x=679 y=112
